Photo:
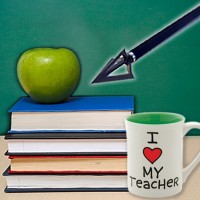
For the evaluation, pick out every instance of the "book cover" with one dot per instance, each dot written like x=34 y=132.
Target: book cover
x=64 y=135
x=32 y=190
x=89 y=103
x=7 y=153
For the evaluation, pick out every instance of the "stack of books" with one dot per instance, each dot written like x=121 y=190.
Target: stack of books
x=77 y=145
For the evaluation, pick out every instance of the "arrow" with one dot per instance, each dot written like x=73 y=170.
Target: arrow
x=136 y=53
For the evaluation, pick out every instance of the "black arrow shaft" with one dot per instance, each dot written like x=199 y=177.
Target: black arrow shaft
x=166 y=33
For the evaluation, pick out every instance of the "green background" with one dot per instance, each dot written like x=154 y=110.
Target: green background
x=168 y=79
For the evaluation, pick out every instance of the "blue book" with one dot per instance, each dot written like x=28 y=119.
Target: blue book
x=77 y=114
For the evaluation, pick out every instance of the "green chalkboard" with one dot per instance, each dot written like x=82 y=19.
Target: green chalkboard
x=168 y=79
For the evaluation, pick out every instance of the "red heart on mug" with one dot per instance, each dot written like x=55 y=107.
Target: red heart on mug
x=152 y=154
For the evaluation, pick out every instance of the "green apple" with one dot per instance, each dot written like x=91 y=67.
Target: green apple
x=48 y=75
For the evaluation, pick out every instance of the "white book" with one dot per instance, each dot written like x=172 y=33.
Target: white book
x=66 y=145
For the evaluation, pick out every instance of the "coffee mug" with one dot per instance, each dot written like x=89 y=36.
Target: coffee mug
x=155 y=153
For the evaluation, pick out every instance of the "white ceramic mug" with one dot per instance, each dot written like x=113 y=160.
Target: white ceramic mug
x=155 y=153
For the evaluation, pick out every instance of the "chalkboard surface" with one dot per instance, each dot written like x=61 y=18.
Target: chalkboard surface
x=168 y=79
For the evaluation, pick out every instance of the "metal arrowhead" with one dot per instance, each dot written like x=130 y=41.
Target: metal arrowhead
x=112 y=65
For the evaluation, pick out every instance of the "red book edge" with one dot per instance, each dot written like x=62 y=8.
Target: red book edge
x=61 y=156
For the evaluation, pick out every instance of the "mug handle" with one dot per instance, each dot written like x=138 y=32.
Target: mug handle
x=187 y=170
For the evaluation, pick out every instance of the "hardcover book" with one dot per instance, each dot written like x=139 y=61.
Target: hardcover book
x=103 y=113
x=65 y=182
x=69 y=164
x=67 y=143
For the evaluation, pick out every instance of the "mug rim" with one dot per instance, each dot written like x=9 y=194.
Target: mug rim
x=165 y=113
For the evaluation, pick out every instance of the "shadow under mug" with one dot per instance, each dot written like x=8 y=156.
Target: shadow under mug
x=155 y=153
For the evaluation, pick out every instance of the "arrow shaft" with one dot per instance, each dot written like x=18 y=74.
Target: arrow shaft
x=166 y=33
